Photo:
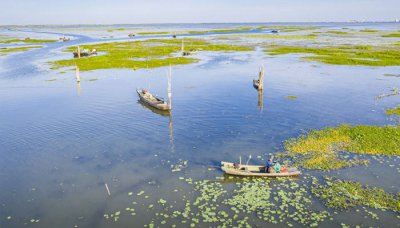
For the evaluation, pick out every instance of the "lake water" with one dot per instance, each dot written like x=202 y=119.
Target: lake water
x=60 y=142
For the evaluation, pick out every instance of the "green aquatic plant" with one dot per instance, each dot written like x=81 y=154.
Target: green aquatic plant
x=344 y=55
x=337 y=32
x=291 y=97
x=320 y=149
x=391 y=35
x=368 y=30
x=26 y=41
x=393 y=111
x=340 y=194
x=6 y=50
x=142 y=54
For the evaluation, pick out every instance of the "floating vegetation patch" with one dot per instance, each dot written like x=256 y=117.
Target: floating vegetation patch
x=320 y=149
x=391 y=35
x=291 y=97
x=392 y=75
x=142 y=54
x=337 y=32
x=26 y=41
x=4 y=51
x=368 y=30
x=393 y=92
x=340 y=194
x=241 y=203
x=344 y=55
x=393 y=111
x=179 y=166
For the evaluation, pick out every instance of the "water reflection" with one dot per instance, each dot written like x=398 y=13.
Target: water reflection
x=260 y=99
x=78 y=85
x=170 y=124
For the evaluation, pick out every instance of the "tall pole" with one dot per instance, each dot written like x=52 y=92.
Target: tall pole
x=261 y=77
x=79 y=53
x=182 y=47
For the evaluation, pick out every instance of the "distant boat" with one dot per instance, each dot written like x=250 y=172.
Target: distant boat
x=84 y=53
x=255 y=170
x=259 y=83
x=154 y=101
x=275 y=31
x=131 y=35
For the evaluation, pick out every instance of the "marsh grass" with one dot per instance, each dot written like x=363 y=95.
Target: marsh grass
x=392 y=35
x=345 y=55
x=320 y=149
x=337 y=32
x=287 y=28
x=340 y=194
x=368 y=30
x=221 y=30
x=4 y=51
x=393 y=111
x=26 y=41
x=142 y=54
x=291 y=97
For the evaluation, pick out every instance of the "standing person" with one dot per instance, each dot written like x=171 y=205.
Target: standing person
x=268 y=166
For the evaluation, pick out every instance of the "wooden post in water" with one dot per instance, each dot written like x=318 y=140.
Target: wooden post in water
x=169 y=88
x=261 y=78
x=182 y=47
x=108 y=190
x=79 y=52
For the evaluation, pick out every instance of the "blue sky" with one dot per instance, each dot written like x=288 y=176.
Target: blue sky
x=188 y=11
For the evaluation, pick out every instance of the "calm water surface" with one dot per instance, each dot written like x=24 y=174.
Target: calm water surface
x=60 y=142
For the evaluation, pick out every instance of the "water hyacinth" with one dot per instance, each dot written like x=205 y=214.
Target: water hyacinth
x=341 y=194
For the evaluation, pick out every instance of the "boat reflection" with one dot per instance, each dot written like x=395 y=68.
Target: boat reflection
x=163 y=113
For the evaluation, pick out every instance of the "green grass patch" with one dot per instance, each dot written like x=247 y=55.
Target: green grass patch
x=3 y=51
x=142 y=54
x=393 y=111
x=341 y=194
x=320 y=149
x=291 y=97
x=368 y=30
x=26 y=41
x=337 y=32
x=345 y=55
x=392 y=35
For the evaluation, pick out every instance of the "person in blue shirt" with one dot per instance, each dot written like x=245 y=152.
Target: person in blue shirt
x=269 y=166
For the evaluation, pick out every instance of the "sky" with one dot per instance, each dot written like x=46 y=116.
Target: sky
x=23 y=12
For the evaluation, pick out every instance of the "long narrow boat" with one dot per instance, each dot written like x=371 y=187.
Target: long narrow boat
x=152 y=100
x=255 y=170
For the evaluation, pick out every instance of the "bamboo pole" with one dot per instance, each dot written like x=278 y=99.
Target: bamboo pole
x=261 y=78
x=182 y=47
x=108 y=190
x=79 y=52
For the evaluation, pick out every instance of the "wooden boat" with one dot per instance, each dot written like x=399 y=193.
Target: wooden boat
x=255 y=170
x=259 y=83
x=84 y=53
x=275 y=31
x=152 y=100
x=256 y=83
